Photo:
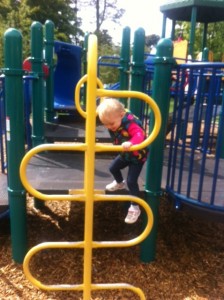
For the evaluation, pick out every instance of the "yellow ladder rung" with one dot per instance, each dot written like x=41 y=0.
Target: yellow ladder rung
x=81 y=191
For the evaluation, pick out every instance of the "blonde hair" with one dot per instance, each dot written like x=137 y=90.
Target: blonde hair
x=108 y=107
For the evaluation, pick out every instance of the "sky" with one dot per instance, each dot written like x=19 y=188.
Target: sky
x=139 y=13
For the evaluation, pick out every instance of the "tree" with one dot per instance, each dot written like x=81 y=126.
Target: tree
x=151 y=40
x=62 y=14
x=214 y=40
x=4 y=9
x=215 y=33
x=109 y=74
x=15 y=14
x=20 y=14
x=19 y=17
x=103 y=10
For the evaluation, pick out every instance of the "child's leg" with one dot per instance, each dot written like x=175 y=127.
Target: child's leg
x=115 y=168
x=134 y=171
x=132 y=182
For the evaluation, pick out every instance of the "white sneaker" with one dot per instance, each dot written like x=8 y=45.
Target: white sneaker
x=133 y=214
x=114 y=186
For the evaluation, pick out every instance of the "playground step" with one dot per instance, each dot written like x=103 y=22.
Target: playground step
x=58 y=172
x=72 y=132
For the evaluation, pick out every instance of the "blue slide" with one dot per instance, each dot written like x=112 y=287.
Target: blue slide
x=66 y=75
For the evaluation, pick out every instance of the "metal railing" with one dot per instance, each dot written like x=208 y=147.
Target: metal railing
x=196 y=141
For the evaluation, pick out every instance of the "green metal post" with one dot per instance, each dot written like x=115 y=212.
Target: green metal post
x=125 y=61
x=204 y=39
x=38 y=84
x=15 y=133
x=138 y=70
x=49 y=51
x=161 y=94
x=192 y=31
x=38 y=89
x=205 y=54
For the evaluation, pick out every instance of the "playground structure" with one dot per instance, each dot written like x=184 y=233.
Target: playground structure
x=195 y=153
x=192 y=11
x=198 y=112
x=17 y=196
x=89 y=195
x=68 y=67
x=208 y=77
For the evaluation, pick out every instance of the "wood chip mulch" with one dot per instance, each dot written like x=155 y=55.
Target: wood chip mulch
x=189 y=261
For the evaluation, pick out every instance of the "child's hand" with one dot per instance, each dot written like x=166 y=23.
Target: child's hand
x=126 y=145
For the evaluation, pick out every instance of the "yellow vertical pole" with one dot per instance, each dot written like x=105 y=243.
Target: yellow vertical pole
x=89 y=163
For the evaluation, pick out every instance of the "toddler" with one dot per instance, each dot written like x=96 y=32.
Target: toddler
x=125 y=129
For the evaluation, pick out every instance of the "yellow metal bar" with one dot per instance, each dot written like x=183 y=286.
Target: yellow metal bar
x=42 y=148
x=136 y=240
x=43 y=246
x=81 y=191
x=89 y=167
x=105 y=244
x=71 y=287
x=77 y=93
x=117 y=286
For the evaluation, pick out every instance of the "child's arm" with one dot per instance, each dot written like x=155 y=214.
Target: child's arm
x=137 y=136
